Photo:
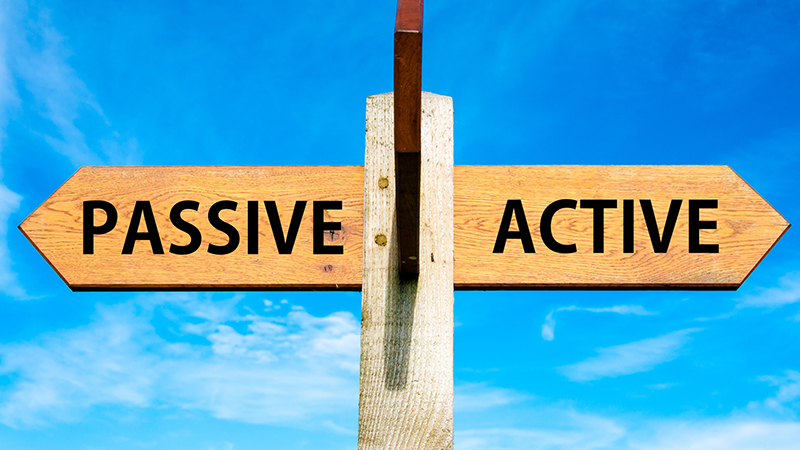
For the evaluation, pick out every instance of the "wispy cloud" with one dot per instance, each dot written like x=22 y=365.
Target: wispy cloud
x=554 y=427
x=662 y=386
x=559 y=426
x=626 y=359
x=786 y=400
x=239 y=366
x=479 y=397
x=9 y=201
x=66 y=372
x=787 y=292
x=38 y=56
x=557 y=429
x=549 y=325
x=8 y=95
x=726 y=434
x=9 y=285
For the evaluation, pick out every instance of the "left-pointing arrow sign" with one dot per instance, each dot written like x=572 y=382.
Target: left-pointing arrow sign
x=193 y=228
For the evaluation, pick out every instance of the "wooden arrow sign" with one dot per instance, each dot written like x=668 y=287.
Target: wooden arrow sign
x=608 y=227
x=516 y=227
x=204 y=228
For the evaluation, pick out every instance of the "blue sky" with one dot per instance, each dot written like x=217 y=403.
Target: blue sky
x=285 y=83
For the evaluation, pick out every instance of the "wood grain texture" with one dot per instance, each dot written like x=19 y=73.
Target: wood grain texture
x=746 y=228
x=406 y=393
x=56 y=227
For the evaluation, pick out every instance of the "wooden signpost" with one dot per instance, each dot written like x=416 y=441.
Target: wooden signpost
x=516 y=227
x=406 y=229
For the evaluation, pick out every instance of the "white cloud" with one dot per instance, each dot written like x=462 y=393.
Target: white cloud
x=66 y=372
x=619 y=309
x=479 y=397
x=557 y=429
x=40 y=57
x=727 y=434
x=35 y=53
x=8 y=95
x=789 y=386
x=9 y=285
x=9 y=201
x=339 y=429
x=662 y=386
x=626 y=359
x=565 y=429
x=549 y=325
x=256 y=369
x=785 y=401
x=787 y=292
x=585 y=432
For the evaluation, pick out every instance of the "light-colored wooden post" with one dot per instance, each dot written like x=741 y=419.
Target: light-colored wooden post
x=406 y=394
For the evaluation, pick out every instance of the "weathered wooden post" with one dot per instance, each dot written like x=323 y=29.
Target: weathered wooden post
x=406 y=395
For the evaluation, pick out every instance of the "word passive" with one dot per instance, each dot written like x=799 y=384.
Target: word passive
x=143 y=213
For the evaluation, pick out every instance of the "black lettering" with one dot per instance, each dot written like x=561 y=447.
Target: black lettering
x=660 y=242
x=225 y=227
x=546 y=227
x=89 y=228
x=320 y=227
x=252 y=227
x=598 y=208
x=627 y=226
x=195 y=238
x=286 y=244
x=513 y=208
x=695 y=225
x=143 y=209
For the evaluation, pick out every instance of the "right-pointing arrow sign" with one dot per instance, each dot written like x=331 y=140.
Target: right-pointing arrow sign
x=608 y=227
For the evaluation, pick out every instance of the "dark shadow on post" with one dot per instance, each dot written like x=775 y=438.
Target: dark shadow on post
x=399 y=322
